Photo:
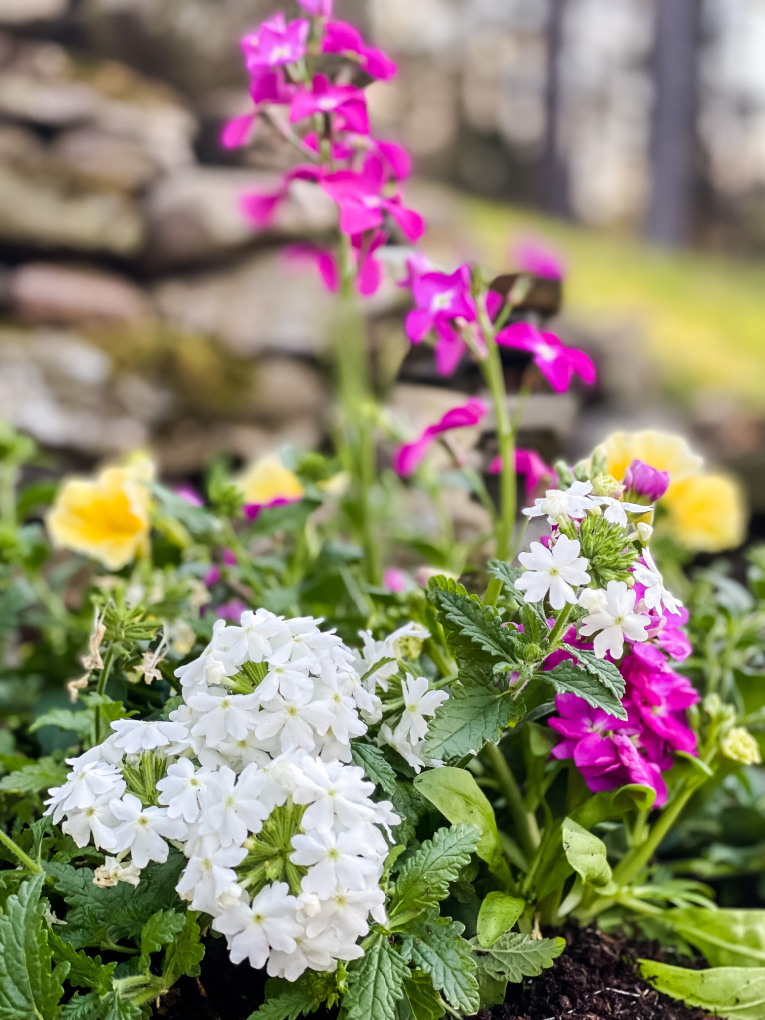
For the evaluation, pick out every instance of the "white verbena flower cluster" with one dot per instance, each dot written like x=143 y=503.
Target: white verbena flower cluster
x=249 y=777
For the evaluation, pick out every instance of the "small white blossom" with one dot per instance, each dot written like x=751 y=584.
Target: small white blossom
x=656 y=595
x=573 y=502
x=142 y=830
x=113 y=871
x=612 y=618
x=136 y=735
x=231 y=806
x=553 y=571
x=419 y=701
x=209 y=876
x=180 y=789
x=333 y=859
x=253 y=930
x=616 y=509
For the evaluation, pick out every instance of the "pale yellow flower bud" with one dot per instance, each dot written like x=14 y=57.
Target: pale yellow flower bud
x=644 y=532
x=740 y=746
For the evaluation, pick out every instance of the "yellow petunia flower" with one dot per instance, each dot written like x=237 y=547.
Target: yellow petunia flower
x=106 y=517
x=267 y=481
x=703 y=511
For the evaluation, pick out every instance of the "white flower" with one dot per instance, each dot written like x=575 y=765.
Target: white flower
x=97 y=819
x=346 y=912
x=405 y=642
x=254 y=640
x=573 y=502
x=180 y=788
x=210 y=875
x=231 y=807
x=222 y=715
x=136 y=735
x=616 y=509
x=612 y=618
x=285 y=678
x=335 y=793
x=267 y=923
x=295 y=722
x=553 y=570
x=320 y=953
x=113 y=871
x=142 y=830
x=656 y=594
x=88 y=784
x=419 y=701
x=193 y=674
x=333 y=859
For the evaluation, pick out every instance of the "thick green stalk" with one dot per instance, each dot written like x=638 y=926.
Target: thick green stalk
x=525 y=822
x=26 y=860
x=492 y=369
x=560 y=623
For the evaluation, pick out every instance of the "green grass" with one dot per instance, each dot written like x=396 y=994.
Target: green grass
x=700 y=318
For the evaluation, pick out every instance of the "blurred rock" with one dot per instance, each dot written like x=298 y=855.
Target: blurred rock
x=44 y=213
x=92 y=156
x=25 y=12
x=46 y=292
x=286 y=389
x=262 y=304
x=195 y=215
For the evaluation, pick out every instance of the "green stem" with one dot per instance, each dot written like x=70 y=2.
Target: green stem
x=25 y=859
x=525 y=822
x=560 y=623
x=101 y=689
x=492 y=370
x=8 y=477
x=493 y=591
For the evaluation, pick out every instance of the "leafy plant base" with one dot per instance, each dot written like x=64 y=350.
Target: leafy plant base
x=596 y=977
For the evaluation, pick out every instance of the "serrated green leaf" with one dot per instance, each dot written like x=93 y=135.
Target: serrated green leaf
x=375 y=982
x=41 y=775
x=424 y=877
x=29 y=986
x=185 y=953
x=82 y=1007
x=460 y=799
x=371 y=758
x=475 y=713
x=160 y=929
x=420 y=1000
x=586 y=854
x=436 y=946
x=601 y=669
x=498 y=914
x=734 y=993
x=84 y=971
x=567 y=678
x=472 y=627
x=505 y=573
x=287 y=1000
x=514 y=956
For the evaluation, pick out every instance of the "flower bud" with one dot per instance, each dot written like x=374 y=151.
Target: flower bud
x=533 y=653
x=645 y=481
x=644 y=532
x=740 y=746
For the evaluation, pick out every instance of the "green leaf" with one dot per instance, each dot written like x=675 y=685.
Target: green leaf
x=727 y=938
x=436 y=946
x=567 y=678
x=514 y=956
x=423 y=879
x=371 y=758
x=459 y=798
x=606 y=672
x=375 y=982
x=84 y=971
x=474 y=713
x=420 y=1000
x=160 y=929
x=586 y=854
x=498 y=914
x=29 y=987
x=185 y=953
x=42 y=775
x=471 y=627
x=505 y=573
x=734 y=993
x=81 y=722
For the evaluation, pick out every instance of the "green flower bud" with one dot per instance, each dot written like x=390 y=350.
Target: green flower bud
x=533 y=653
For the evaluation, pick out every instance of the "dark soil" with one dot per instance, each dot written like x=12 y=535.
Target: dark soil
x=596 y=978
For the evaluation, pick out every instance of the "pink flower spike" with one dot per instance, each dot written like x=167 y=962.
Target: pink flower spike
x=369 y=270
x=440 y=297
x=276 y=43
x=362 y=204
x=556 y=362
x=270 y=86
x=409 y=456
x=345 y=100
x=340 y=37
x=529 y=464
x=317 y=8
x=450 y=348
x=534 y=257
x=397 y=159
x=322 y=258
x=394 y=580
x=260 y=207
x=236 y=132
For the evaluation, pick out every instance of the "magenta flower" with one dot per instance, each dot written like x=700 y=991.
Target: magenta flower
x=322 y=258
x=368 y=269
x=534 y=257
x=662 y=697
x=276 y=43
x=231 y=610
x=394 y=580
x=252 y=510
x=439 y=297
x=340 y=37
x=317 y=8
x=212 y=576
x=347 y=102
x=236 y=132
x=261 y=206
x=640 y=479
x=362 y=204
x=271 y=86
x=556 y=362
x=229 y=557
x=409 y=456
x=189 y=493
x=529 y=464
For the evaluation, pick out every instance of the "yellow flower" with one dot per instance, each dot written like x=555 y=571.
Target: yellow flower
x=704 y=511
x=106 y=517
x=268 y=480
x=740 y=746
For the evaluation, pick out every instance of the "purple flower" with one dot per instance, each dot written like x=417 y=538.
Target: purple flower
x=529 y=464
x=362 y=204
x=642 y=480
x=276 y=43
x=190 y=494
x=346 y=102
x=340 y=37
x=534 y=257
x=363 y=246
x=410 y=455
x=229 y=557
x=236 y=132
x=556 y=362
x=440 y=297
x=231 y=610
x=212 y=576
x=394 y=580
x=662 y=697
x=317 y=8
